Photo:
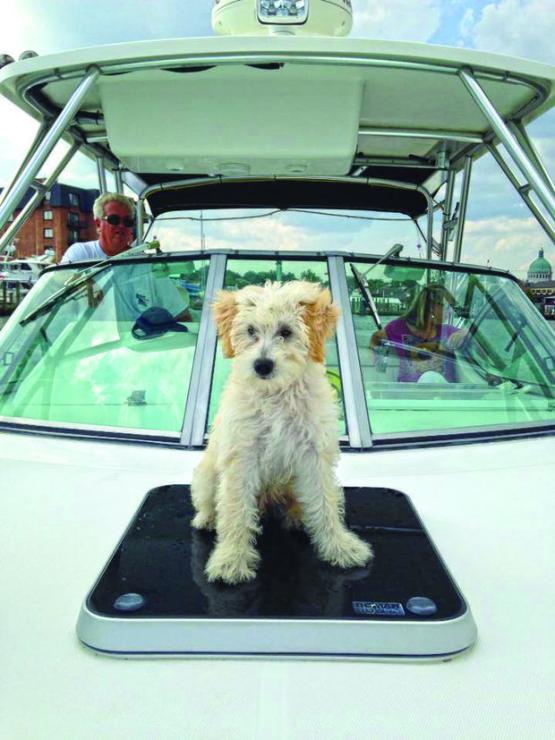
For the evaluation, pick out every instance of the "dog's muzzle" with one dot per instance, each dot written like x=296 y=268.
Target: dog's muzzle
x=263 y=367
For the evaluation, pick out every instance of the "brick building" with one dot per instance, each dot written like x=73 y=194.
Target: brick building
x=63 y=217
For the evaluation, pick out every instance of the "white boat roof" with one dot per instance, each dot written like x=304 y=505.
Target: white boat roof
x=388 y=101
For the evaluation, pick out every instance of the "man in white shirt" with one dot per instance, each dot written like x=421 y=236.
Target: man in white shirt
x=114 y=218
x=137 y=287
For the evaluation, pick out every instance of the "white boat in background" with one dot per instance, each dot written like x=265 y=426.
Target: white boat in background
x=17 y=277
x=228 y=142
x=25 y=272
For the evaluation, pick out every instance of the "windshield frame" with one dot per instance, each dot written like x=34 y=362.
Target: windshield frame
x=359 y=433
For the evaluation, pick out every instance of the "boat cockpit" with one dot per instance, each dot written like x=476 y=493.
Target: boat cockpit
x=87 y=355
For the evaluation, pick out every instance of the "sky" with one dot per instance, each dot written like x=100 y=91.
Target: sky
x=500 y=230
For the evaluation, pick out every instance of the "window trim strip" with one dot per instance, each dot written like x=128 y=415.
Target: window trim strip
x=18 y=423
x=198 y=397
x=356 y=413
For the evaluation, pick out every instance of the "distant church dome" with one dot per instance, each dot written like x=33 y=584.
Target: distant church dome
x=540 y=269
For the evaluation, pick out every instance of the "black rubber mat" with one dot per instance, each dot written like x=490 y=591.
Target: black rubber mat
x=161 y=558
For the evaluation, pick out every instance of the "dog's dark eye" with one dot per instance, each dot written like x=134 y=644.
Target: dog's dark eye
x=284 y=332
x=251 y=331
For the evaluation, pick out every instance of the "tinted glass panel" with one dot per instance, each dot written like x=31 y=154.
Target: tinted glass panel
x=444 y=349
x=109 y=353
x=242 y=272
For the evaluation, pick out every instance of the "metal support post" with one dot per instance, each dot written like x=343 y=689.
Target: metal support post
x=463 y=136
x=22 y=217
x=430 y=231
x=524 y=140
x=44 y=149
x=436 y=247
x=524 y=192
x=447 y=225
x=502 y=131
x=133 y=182
x=139 y=220
x=462 y=209
x=119 y=180
x=101 y=174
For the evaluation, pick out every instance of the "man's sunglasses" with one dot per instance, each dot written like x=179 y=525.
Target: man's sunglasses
x=114 y=220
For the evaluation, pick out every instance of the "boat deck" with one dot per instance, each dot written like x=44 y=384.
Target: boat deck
x=497 y=539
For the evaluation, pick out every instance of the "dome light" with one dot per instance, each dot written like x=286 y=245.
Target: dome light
x=289 y=17
x=282 y=11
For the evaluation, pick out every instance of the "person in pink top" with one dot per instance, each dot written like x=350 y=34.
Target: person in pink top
x=422 y=341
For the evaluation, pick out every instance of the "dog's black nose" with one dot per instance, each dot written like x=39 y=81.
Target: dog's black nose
x=263 y=367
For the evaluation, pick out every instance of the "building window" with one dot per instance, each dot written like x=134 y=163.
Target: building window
x=74 y=199
x=73 y=219
x=48 y=215
x=48 y=233
x=47 y=196
x=73 y=236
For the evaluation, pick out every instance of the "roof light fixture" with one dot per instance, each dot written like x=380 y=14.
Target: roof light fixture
x=282 y=11
x=282 y=17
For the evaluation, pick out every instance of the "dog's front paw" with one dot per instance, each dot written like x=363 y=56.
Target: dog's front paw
x=202 y=520
x=232 y=566
x=347 y=551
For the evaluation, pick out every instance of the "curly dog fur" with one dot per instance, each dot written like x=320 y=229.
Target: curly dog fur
x=274 y=440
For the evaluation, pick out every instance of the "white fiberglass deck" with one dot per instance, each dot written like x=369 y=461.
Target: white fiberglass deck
x=487 y=507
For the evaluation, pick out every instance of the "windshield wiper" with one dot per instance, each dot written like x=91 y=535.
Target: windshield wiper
x=520 y=324
x=367 y=295
x=362 y=282
x=78 y=279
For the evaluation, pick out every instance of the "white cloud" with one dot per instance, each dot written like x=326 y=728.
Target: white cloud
x=255 y=234
x=267 y=234
x=401 y=20
x=467 y=23
x=524 y=28
x=49 y=26
x=18 y=131
x=17 y=25
x=507 y=243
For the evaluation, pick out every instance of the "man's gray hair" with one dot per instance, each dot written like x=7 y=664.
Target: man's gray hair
x=102 y=200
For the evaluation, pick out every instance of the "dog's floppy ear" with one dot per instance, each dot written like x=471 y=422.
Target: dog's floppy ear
x=320 y=316
x=225 y=310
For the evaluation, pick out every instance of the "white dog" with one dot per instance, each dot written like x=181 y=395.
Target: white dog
x=274 y=439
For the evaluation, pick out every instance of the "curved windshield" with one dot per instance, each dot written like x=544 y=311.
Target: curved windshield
x=444 y=349
x=440 y=349
x=117 y=351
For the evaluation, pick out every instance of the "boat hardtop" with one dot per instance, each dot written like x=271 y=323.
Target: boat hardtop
x=349 y=109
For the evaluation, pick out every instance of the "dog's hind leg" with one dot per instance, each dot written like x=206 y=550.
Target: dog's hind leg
x=322 y=504
x=203 y=492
